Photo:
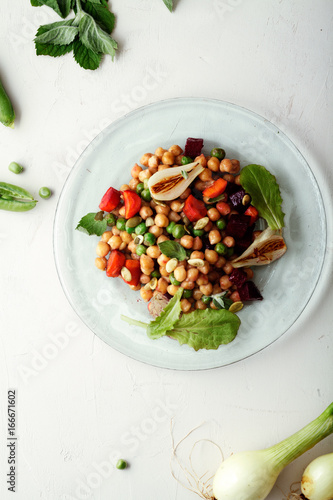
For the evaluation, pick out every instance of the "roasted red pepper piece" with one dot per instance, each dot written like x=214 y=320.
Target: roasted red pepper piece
x=132 y=203
x=134 y=267
x=194 y=209
x=253 y=213
x=215 y=189
x=110 y=200
x=115 y=262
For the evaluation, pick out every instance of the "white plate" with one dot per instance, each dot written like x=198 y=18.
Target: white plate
x=286 y=285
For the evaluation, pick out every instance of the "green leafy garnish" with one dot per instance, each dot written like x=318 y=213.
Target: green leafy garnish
x=169 y=4
x=261 y=185
x=173 y=250
x=168 y=317
x=89 y=225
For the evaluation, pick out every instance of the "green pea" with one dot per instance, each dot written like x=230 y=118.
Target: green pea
x=178 y=231
x=170 y=227
x=155 y=274
x=140 y=250
x=173 y=280
x=140 y=187
x=111 y=220
x=129 y=230
x=149 y=239
x=187 y=294
x=198 y=232
x=221 y=224
x=121 y=464
x=219 y=153
x=221 y=248
x=15 y=167
x=206 y=299
x=44 y=192
x=141 y=228
x=121 y=224
x=145 y=195
x=186 y=160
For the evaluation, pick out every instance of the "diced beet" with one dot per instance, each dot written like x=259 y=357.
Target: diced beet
x=193 y=147
x=237 y=225
x=238 y=277
x=249 y=291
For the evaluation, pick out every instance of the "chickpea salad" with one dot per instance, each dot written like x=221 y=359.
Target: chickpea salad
x=183 y=233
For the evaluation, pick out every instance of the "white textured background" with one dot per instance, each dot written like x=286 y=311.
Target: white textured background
x=90 y=404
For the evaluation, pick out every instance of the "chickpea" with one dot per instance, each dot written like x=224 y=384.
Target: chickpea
x=163 y=259
x=146 y=295
x=173 y=216
x=164 y=273
x=162 y=167
x=205 y=268
x=202 y=280
x=106 y=236
x=207 y=289
x=229 y=241
x=172 y=289
x=124 y=187
x=185 y=305
x=145 y=174
x=213 y=164
x=136 y=170
x=144 y=161
x=228 y=268
x=126 y=237
x=153 y=251
x=225 y=282
x=100 y=263
x=185 y=194
x=192 y=274
x=180 y=273
x=211 y=256
x=197 y=255
x=187 y=241
x=197 y=243
x=213 y=214
x=178 y=160
x=201 y=159
x=160 y=152
x=144 y=279
x=115 y=242
x=132 y=247
x=122 y=212
x=187 y=285
x=153 y=161
x=216 y=289
x=249 y=273
x=160 y=209
x=162 y=238
x=175 y=150
x=197 y=294
x=229 y=166
x=168 y=158
x=235 y=297
x=229 y=178
x=206 y=175
x=176 y=205
x=161 y=220
x=145 y=212
x=214 y=236
x=200 y=305
x=237 y=180
x=156 y=230
x=220 y=262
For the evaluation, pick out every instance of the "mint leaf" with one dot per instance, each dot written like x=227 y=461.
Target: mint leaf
x=173 y=250
x=168 y=317
x=90 y=226
x=265 y=193
x=169 y=4
x=86 y=58
x=206 y=329
x=94 y=38
x=104 y=18
x=59 y=33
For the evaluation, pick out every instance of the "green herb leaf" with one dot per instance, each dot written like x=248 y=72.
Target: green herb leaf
x=173 y=250
x=59 y=33
x=169 y=4
x=94 y=38
x=265 y=193
x=86 y=58
x=90 y=226
x=168 y=317
x=101 y=14
x=206 y=329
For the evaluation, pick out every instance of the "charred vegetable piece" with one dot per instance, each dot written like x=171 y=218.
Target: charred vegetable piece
x=115 y=262
x=193 y=147
x=237 y=225
x=132 y=203
x=238 y=277
x=110 y=200
x=248 y=291
x=194 y=209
